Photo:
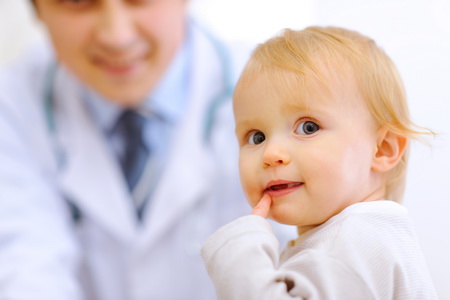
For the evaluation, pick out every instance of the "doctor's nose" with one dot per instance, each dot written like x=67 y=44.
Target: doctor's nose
x=274 y=155
x=115 y=29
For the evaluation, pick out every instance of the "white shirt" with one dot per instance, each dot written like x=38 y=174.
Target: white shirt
x=368 y=251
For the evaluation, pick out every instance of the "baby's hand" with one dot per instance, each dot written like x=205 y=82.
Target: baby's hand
x=262 y=208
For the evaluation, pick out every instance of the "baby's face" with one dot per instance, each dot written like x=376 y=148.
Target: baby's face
x=313 y=156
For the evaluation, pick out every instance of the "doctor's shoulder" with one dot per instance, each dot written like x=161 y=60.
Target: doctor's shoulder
x=240 y=51
x=234 y=57
x=22 y=89
x=22 y=93
x=25 y=77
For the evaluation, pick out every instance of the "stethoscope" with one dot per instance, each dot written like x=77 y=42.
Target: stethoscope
x=208 y=123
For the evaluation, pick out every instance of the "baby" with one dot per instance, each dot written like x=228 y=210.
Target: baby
x=323 y=129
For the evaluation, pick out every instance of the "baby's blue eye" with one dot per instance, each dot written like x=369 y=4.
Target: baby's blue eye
x=307 y=128
x=256 y=138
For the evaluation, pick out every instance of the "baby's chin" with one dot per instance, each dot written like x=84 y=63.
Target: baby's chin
x=280 y=217
x=285 y=215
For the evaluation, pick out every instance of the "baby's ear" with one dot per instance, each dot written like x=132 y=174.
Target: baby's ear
x=390 y=149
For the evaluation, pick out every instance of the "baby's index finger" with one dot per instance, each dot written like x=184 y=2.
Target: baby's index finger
x=262 y=208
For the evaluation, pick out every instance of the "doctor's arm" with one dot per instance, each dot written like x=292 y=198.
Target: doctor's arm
x=39 y=255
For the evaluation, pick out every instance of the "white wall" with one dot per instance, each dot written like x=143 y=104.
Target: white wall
x=416 y=34
x=253 y=20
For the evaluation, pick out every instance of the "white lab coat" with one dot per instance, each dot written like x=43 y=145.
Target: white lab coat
x=44 y=254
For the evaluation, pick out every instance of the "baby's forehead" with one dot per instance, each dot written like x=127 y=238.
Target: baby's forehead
x=302 y=90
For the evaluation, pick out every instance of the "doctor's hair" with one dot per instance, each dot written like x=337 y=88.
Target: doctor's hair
x=294 y=62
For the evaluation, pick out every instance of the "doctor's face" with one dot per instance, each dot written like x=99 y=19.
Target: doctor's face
x=120 y=48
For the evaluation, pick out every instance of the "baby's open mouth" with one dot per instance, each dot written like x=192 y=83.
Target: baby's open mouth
x=283 y=186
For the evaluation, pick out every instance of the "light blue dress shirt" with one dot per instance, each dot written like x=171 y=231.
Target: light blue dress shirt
x=165 y=106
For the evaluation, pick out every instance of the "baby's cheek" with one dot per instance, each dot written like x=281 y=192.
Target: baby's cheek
x=251 y=193
x=252 y=199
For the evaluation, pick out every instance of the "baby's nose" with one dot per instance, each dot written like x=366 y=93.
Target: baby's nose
x=275 y=156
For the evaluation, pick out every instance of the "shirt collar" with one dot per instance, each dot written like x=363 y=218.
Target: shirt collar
x=168 y=99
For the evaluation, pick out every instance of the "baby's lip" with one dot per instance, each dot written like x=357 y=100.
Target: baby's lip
x=276 y=185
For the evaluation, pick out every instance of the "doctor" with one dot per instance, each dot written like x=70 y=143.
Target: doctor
x=72 y=223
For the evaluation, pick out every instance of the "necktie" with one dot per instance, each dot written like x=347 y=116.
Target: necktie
x=131 y=126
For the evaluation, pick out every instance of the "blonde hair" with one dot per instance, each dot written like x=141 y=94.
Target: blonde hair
x=302 y=57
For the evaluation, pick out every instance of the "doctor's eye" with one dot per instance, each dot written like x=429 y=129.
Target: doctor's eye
x=307 y=128
x=144 y=1
x=76 y=3
x=256 y=138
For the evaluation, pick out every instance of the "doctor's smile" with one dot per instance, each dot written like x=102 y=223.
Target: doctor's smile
x=120 y=66
x=122 y=63
x=280 y=188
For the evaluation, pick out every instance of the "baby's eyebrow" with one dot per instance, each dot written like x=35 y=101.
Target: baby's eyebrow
x=298 y=106
x=242 y=125
x=307 y=105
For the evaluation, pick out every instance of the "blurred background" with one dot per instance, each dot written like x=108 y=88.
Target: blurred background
x=415 y=33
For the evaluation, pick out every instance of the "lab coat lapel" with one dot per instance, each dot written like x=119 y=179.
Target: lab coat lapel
x=189 y=175
x=91 y=177
x=187 y=180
